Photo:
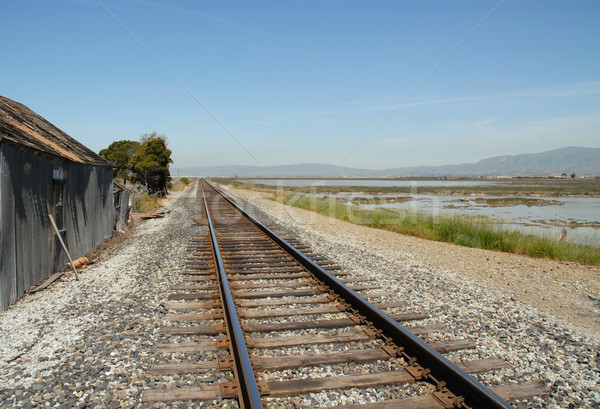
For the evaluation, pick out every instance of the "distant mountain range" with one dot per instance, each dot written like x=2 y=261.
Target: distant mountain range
x=581 y=161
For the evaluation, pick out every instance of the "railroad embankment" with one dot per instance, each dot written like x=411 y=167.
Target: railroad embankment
x=565 y=290
x=539 y=315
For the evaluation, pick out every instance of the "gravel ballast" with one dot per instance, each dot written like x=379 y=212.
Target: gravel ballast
x=515 y=307
x=90 y=343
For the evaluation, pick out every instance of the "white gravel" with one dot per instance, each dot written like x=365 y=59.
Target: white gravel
x=89 y=343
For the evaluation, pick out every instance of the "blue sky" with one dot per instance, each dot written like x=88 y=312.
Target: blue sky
x=353 y=83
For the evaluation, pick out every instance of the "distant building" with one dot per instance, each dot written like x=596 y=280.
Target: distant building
x=45 y=171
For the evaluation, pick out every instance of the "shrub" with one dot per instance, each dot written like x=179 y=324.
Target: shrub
x=144 y=203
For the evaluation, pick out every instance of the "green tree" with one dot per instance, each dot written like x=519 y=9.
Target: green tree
x=120 y=154
x=150 y=165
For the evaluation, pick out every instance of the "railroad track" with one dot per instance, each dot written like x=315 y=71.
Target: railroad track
x=259 y=323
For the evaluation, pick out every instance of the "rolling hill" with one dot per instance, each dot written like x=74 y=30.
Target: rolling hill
x=578 y=160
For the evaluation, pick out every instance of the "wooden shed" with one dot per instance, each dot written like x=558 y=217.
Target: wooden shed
x=44 y=171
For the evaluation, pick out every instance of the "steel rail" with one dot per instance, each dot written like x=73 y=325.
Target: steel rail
x=248 y=392
x=457 y=381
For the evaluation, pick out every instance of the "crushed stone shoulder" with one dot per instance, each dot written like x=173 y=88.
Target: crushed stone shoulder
x=89 y=343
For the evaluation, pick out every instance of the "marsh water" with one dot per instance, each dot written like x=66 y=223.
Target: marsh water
x=544 y=220
x=578 y=217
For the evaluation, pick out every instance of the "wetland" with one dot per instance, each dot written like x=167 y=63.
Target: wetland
x=553 y=208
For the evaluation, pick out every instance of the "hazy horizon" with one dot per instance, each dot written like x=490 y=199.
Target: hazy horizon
x=379 y=169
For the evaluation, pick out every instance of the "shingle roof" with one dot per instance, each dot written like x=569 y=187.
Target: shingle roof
x=21 y=126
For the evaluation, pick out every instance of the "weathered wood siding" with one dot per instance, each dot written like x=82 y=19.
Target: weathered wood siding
x=30 y=251
x=122 y=209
